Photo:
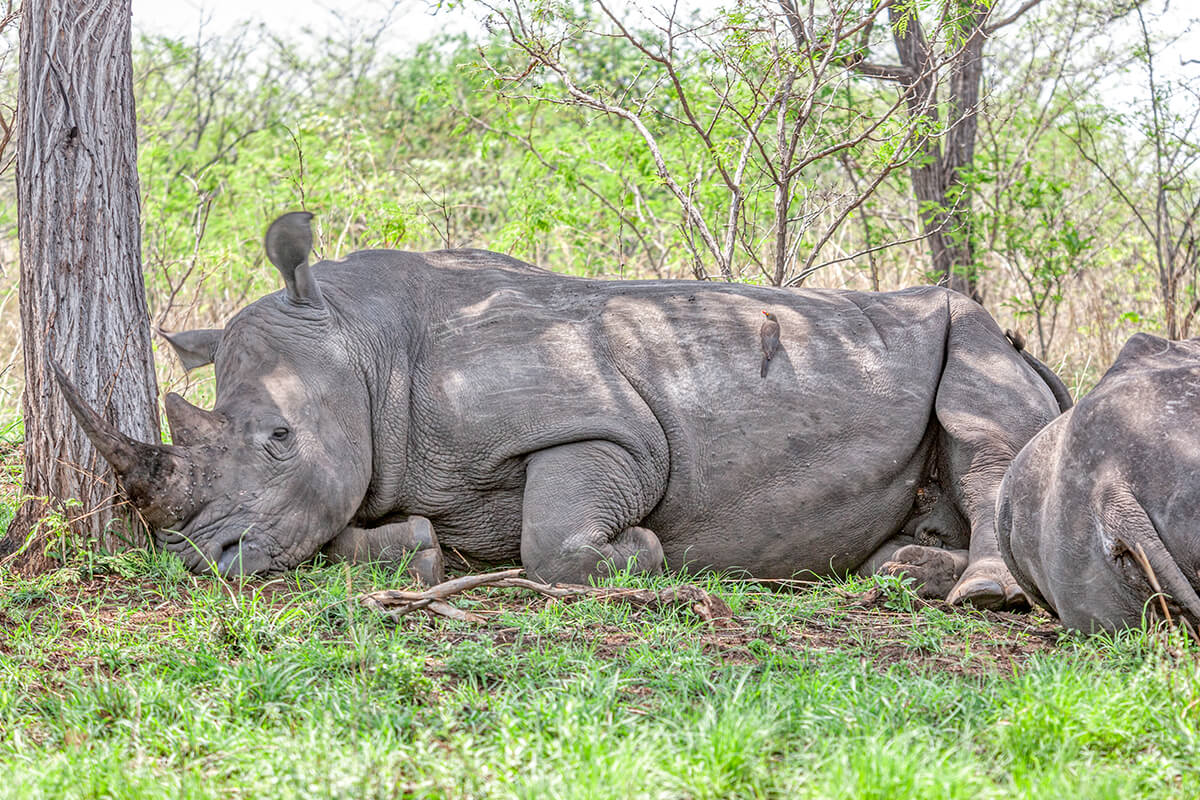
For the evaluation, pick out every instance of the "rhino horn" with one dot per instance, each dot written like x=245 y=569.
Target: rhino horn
x=156 y=478
x=190 y=424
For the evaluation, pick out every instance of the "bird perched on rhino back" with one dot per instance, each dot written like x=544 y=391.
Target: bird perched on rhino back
x=769 y=336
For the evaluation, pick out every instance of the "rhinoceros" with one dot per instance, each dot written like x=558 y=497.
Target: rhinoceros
x=1098 y=514
x=580 y=425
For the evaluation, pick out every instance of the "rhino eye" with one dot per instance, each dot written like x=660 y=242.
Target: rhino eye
x=280 y=444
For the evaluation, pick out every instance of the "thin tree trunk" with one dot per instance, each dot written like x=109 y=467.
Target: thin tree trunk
x=82 y=296
x=966 y=75
x=938 y=174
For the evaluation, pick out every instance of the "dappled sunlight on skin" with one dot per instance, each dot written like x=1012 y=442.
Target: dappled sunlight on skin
x=995 y=375
x=1115 y=479
x=285 y=389
x=472 y=317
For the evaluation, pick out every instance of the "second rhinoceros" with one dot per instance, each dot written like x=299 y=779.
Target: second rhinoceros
x=1098 y=514
x=574 y=423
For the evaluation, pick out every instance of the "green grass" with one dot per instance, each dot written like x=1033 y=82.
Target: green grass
x=127 y=677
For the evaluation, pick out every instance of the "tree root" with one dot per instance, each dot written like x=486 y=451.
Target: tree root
x=396 y=603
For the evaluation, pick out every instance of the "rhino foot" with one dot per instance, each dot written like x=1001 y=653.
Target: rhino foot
x=988 y=584
x=427 y=567
x=390 y=544
x=934 y=571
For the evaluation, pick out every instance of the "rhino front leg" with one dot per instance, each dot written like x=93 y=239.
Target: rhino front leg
x=582 y=502
x=391 y=543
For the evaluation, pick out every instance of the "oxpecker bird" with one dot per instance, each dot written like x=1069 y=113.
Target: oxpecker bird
x=769 y=334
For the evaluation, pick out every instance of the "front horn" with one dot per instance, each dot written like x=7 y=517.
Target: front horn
x=157 y=479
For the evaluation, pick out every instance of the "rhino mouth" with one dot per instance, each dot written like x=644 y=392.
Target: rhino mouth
x=231 y=556
x=230 y=546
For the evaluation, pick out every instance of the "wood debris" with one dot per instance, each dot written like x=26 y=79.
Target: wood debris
x=433 y=601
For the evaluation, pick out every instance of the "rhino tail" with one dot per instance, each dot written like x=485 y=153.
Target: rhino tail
x=1055 y=384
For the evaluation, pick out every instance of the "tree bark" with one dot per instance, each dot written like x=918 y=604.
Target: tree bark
x=82 y=295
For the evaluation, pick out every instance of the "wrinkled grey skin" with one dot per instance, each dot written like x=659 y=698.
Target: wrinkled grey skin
x=572 y=423
x=1117 y=476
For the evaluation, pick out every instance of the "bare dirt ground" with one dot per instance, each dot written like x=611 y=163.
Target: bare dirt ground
x=928 y=638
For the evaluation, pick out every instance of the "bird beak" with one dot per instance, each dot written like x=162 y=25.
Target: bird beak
x=765 y=313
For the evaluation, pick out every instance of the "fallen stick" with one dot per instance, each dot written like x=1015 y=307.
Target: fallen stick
x=1144 y=562
x=397 y=603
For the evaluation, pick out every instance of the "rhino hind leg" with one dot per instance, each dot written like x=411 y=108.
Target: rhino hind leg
x=989 y=404
x=936 y=521
x=934 y=570
x=393 y=543
x=579 y=517
x=875 y=561
x=943 y=527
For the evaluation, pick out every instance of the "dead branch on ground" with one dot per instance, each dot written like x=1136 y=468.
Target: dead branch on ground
x=397 y=603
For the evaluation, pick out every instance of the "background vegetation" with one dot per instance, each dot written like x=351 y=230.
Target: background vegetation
x=1081 y=200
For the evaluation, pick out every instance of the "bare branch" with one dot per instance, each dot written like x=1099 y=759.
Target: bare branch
x=886 y=72
x=397 y=603
x=1011 y=18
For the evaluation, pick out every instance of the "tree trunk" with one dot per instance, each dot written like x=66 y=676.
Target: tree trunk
x=938 y=174
x=82 y=296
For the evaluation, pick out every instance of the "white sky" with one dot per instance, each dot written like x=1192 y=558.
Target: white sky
x=414 y=20
x=417 y=20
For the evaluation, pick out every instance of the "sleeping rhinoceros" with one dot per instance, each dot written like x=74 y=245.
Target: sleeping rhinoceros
x=1109 y=495
x=576 y=423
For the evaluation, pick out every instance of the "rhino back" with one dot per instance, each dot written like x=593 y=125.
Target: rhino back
x=1138 y=426
x=808 y=468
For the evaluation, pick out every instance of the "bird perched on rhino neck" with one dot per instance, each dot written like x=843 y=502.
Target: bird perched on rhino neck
x=769 y=336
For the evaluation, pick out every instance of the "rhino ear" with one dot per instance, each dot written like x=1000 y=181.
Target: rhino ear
x=288 y=242
x=195 y=348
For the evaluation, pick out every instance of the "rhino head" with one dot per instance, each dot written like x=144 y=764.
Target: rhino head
x=282 y=462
